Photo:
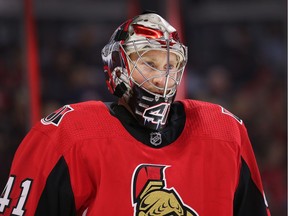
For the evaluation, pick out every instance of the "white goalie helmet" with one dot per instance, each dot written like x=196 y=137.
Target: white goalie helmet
x=137 y=37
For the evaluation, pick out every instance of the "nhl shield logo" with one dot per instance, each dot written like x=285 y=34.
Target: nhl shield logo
x=155 y=138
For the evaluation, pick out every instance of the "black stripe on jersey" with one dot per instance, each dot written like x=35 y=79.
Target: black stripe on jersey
x=57 y=198
x=248 y=200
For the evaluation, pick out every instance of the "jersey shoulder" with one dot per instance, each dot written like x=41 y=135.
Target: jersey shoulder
x=212 y=121
x=75 y=122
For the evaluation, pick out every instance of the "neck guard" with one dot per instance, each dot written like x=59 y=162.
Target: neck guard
x=150 y=111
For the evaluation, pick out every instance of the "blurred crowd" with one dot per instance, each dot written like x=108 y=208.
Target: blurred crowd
x=241 y=67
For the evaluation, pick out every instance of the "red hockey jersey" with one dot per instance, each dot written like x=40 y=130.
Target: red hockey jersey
x=80 y=160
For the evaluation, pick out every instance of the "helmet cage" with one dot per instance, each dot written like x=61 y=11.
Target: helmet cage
x=120 y=67
x=136 y=36
x=174 y=76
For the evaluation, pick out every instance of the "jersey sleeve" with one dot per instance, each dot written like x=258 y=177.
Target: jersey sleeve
x=249 y=197
x=48 y=175
x=39 y=181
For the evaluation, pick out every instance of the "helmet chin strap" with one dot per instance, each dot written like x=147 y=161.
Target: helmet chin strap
x=149 y=110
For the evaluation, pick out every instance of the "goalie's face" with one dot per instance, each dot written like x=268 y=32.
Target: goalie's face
x=156 y=71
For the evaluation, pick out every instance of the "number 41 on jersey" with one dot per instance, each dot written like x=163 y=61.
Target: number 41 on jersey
x=5 y=198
